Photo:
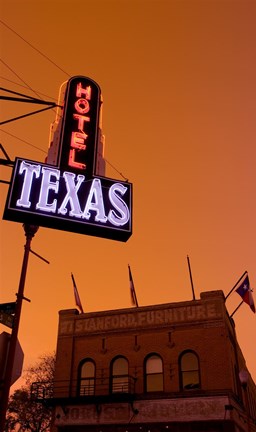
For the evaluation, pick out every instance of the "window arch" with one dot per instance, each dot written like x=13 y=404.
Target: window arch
x=189 y=370
x=154 y=379
x=87 y=377
x=119 y=375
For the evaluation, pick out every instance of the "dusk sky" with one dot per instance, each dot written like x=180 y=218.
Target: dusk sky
x=179 y=105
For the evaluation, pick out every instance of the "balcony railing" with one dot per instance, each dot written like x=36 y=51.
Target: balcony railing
x=89 y=387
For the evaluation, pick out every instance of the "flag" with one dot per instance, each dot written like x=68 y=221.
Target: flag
x=132 y=289
x=245 y=292
x=77 y=298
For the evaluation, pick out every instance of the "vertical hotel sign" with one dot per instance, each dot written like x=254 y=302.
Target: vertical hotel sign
x=79 y=138
x=70 y=196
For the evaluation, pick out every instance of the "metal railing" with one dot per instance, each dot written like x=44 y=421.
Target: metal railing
x=104 y=386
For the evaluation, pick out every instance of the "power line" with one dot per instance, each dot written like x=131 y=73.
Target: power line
x=36 y=49
x=22 y=140
x=26 y=115
x=24 y=82
x=27 y=86
x=24 y=98
x=112 y=166
x=27 y=99
x=20 y=85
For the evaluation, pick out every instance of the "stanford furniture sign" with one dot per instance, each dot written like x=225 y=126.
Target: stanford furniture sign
x=70 y=196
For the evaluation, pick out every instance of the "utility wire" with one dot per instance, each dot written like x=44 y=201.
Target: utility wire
x=25 y=98
x=36 y=49
x=24 y=82
x=26 y=142
x=53 y=105
x=5 y=153
x=26 y=115
x=27 y=86
x=20 y=85
x=112 y=166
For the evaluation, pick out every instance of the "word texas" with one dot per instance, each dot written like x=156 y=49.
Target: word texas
x=47 y=191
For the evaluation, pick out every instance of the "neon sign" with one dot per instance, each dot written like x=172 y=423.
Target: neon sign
x=69 y=196
x=47 y=196
x=79 y=137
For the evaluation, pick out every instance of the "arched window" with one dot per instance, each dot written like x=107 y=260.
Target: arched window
x=189 y=371
x=119 y=375
x=87 y=378
x=154 y=380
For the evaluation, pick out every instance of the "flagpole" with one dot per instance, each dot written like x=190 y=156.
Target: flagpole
x=132 y=288
x=135 y=298
x=240 y=304
x=76 y=294
x=191 y=280
x=235 y=285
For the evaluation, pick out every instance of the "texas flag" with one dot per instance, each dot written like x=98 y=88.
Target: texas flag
x=245 y=292
x=76 y=294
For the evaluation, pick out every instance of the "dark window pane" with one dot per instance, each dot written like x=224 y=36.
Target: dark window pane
x=88 y=369
x=189 y=371
x=87 y=387
x=189 y=362
x=190 y=380
x=154 y=373
x=155 y=382
x=120 y=384
x=120 y=380
x=87 y=379
x=120 y=366
x=154 y=365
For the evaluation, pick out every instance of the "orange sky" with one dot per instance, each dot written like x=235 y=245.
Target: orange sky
x=179 y=89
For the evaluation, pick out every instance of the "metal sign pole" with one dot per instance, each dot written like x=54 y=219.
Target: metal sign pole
x=30 y=231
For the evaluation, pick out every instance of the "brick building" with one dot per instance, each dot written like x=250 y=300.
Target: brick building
x=171 y=367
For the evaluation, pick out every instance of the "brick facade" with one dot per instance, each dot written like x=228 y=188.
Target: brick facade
x=182 y=362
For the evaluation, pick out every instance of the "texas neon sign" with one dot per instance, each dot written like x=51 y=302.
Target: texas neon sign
x=70 y=196
x=46 y=196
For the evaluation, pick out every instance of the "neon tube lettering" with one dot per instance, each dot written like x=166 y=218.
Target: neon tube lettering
x=30 y=171
x=46 y=186
x=95 y=202
x=81 y=119
x=78 y=138
x=72 y=162
x=119 y=205
x=50 y=190
x=82 y=106
x=71 y=196
x=83 y=91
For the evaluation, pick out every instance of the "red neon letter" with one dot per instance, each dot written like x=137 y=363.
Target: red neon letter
x=82 y=106
x=81 y=119
x=81 y=91
x=73 y=163
x=77 y=140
